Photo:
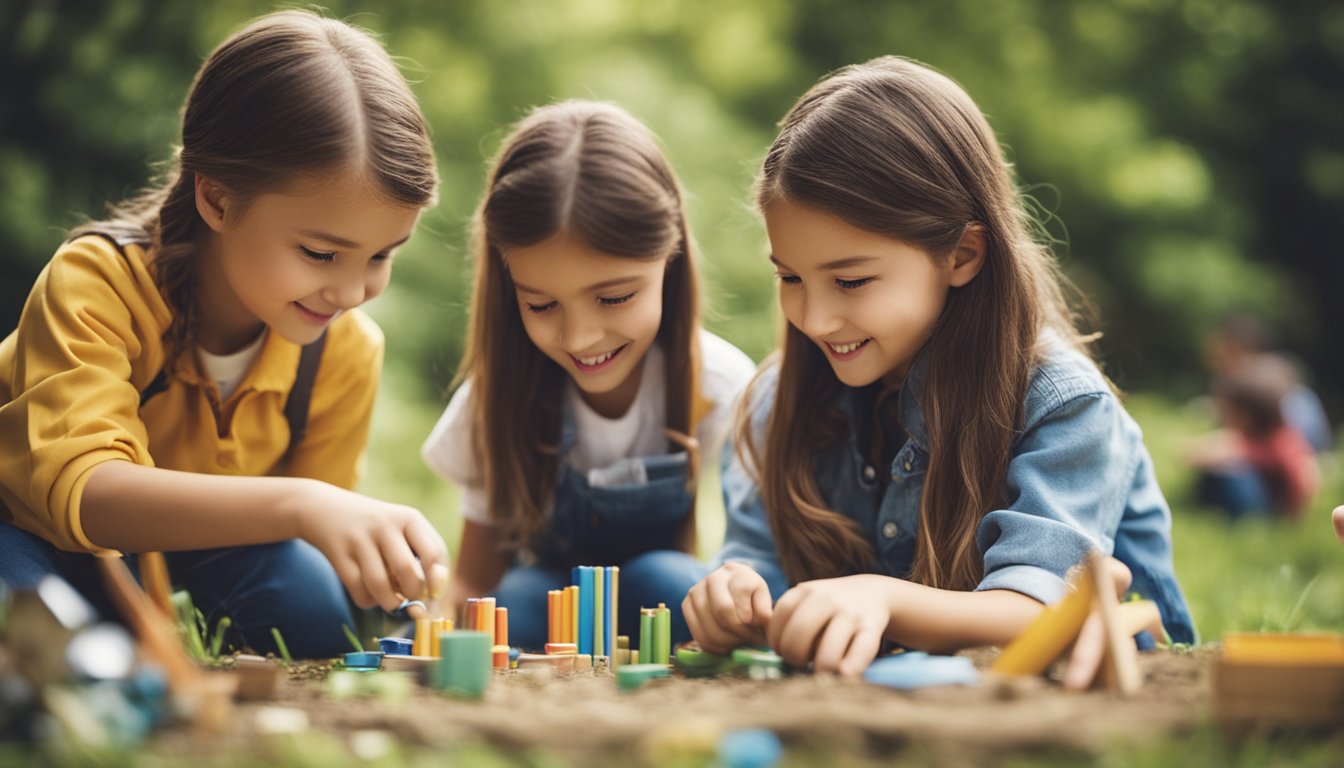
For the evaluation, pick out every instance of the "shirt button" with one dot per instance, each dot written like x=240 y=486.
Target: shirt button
x=890 y=530
x=907 y=465
x=869 y=473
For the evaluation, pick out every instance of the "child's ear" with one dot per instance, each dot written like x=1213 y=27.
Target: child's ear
x=969 y=256
x=211 y=202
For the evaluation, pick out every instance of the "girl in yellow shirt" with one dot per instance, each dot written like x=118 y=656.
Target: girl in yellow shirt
x=193 y=376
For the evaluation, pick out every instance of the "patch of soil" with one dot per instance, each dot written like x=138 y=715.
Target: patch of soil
x=584 y=718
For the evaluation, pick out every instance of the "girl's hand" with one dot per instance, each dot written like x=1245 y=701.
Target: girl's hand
x=1338 y=517
x=837 y=624
x=381 y=551
x=1089 y=650
x=728 y=608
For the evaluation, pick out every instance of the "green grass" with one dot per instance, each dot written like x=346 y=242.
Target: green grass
x=1270 y=575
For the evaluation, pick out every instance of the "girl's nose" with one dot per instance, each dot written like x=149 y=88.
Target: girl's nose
x=579 y=332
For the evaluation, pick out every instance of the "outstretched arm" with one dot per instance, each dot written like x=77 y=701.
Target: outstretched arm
x=380 y=550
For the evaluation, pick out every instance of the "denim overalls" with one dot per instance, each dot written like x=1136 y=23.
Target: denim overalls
x=631 y=514
x=1079 y=478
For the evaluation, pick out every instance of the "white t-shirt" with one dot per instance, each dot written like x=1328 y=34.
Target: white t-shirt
x=724 y=373
x=227 y=371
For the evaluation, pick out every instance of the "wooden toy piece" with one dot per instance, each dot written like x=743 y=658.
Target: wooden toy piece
x=561 y=662
x=561 y=648
x=423 y=646
x=257 y=677
x=553 y=616
x=633 y=676
x=485 y=616
x=1280 y=680
x=398 y=645
x=158 y=585
x=662 y=634
x=416 y=665
x=502 y=626
x=206 y=698
x=1120 y=668
x=645 y=635
x=465 y=667
x=696 y=662
x=585 y=609
x=499 y=656
x=364 y=660
x=599 y=612
x=1054 y=630
x=613 y=576
x=471 y=615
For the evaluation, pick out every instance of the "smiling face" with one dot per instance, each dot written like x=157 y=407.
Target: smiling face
x=293 y=260
x=867 y=300
x=593 y=313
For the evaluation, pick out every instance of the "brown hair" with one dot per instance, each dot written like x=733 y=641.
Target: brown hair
x=293 y=93
x=892 y=147
x=591 y=170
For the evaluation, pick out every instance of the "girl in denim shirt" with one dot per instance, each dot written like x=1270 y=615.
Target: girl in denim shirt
x=588 y=390
x=933 y=447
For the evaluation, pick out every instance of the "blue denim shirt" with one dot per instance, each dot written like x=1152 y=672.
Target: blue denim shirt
x=1079 y=479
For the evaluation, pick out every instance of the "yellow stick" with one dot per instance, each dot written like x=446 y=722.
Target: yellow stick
x=1046 y=638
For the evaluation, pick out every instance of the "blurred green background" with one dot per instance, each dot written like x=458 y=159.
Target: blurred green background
x=1188 y=156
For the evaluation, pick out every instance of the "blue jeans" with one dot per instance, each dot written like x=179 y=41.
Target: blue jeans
x=1238 y=491
x=660 y=576
x=287 y=585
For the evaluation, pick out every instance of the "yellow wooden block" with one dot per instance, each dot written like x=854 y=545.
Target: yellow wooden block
x=1284 y=649
x=1054 y=630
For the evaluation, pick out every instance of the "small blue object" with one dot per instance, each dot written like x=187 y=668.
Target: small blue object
x=364 y=659
x=399 y=646
x=514 y=653
x=749 y=748
x=916 y=669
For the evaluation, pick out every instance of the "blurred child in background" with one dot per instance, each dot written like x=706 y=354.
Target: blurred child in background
x=1258 y=464
x=1238 y=340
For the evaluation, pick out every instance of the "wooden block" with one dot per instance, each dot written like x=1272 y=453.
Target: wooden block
x=1120 y=668
x=1280 y=680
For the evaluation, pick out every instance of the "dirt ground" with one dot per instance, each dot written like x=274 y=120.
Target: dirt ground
x=584 y=719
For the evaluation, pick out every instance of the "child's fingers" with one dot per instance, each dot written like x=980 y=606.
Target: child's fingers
x=347 y=570
x=834 y=641
x=1088 y=651
x=723 y=603
x=1338 y=518
x=430 y=549
x=761 y=608
x=410 y=577
x=373 y=570
x=700 y=620
x=862 y=650
x=795 y=627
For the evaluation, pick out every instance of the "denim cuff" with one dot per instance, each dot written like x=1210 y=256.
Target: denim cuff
x=1030 y=580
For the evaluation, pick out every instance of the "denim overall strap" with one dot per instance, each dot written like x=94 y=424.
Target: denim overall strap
x=610 y=515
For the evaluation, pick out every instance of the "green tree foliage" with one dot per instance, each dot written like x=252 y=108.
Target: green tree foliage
x=1186 y=154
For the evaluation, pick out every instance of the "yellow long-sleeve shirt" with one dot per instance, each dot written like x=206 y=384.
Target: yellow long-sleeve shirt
x=90 y=340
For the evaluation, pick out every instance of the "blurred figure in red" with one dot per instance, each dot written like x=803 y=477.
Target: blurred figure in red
x=1239 y=339
x=1258 y=464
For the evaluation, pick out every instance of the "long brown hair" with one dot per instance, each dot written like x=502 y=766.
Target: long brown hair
x=594 y=171
x=293 y=93
x=892 y=147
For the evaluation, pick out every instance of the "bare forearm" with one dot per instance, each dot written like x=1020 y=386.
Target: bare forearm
x=944 y=621
x=479 y=565
x=134 y=508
